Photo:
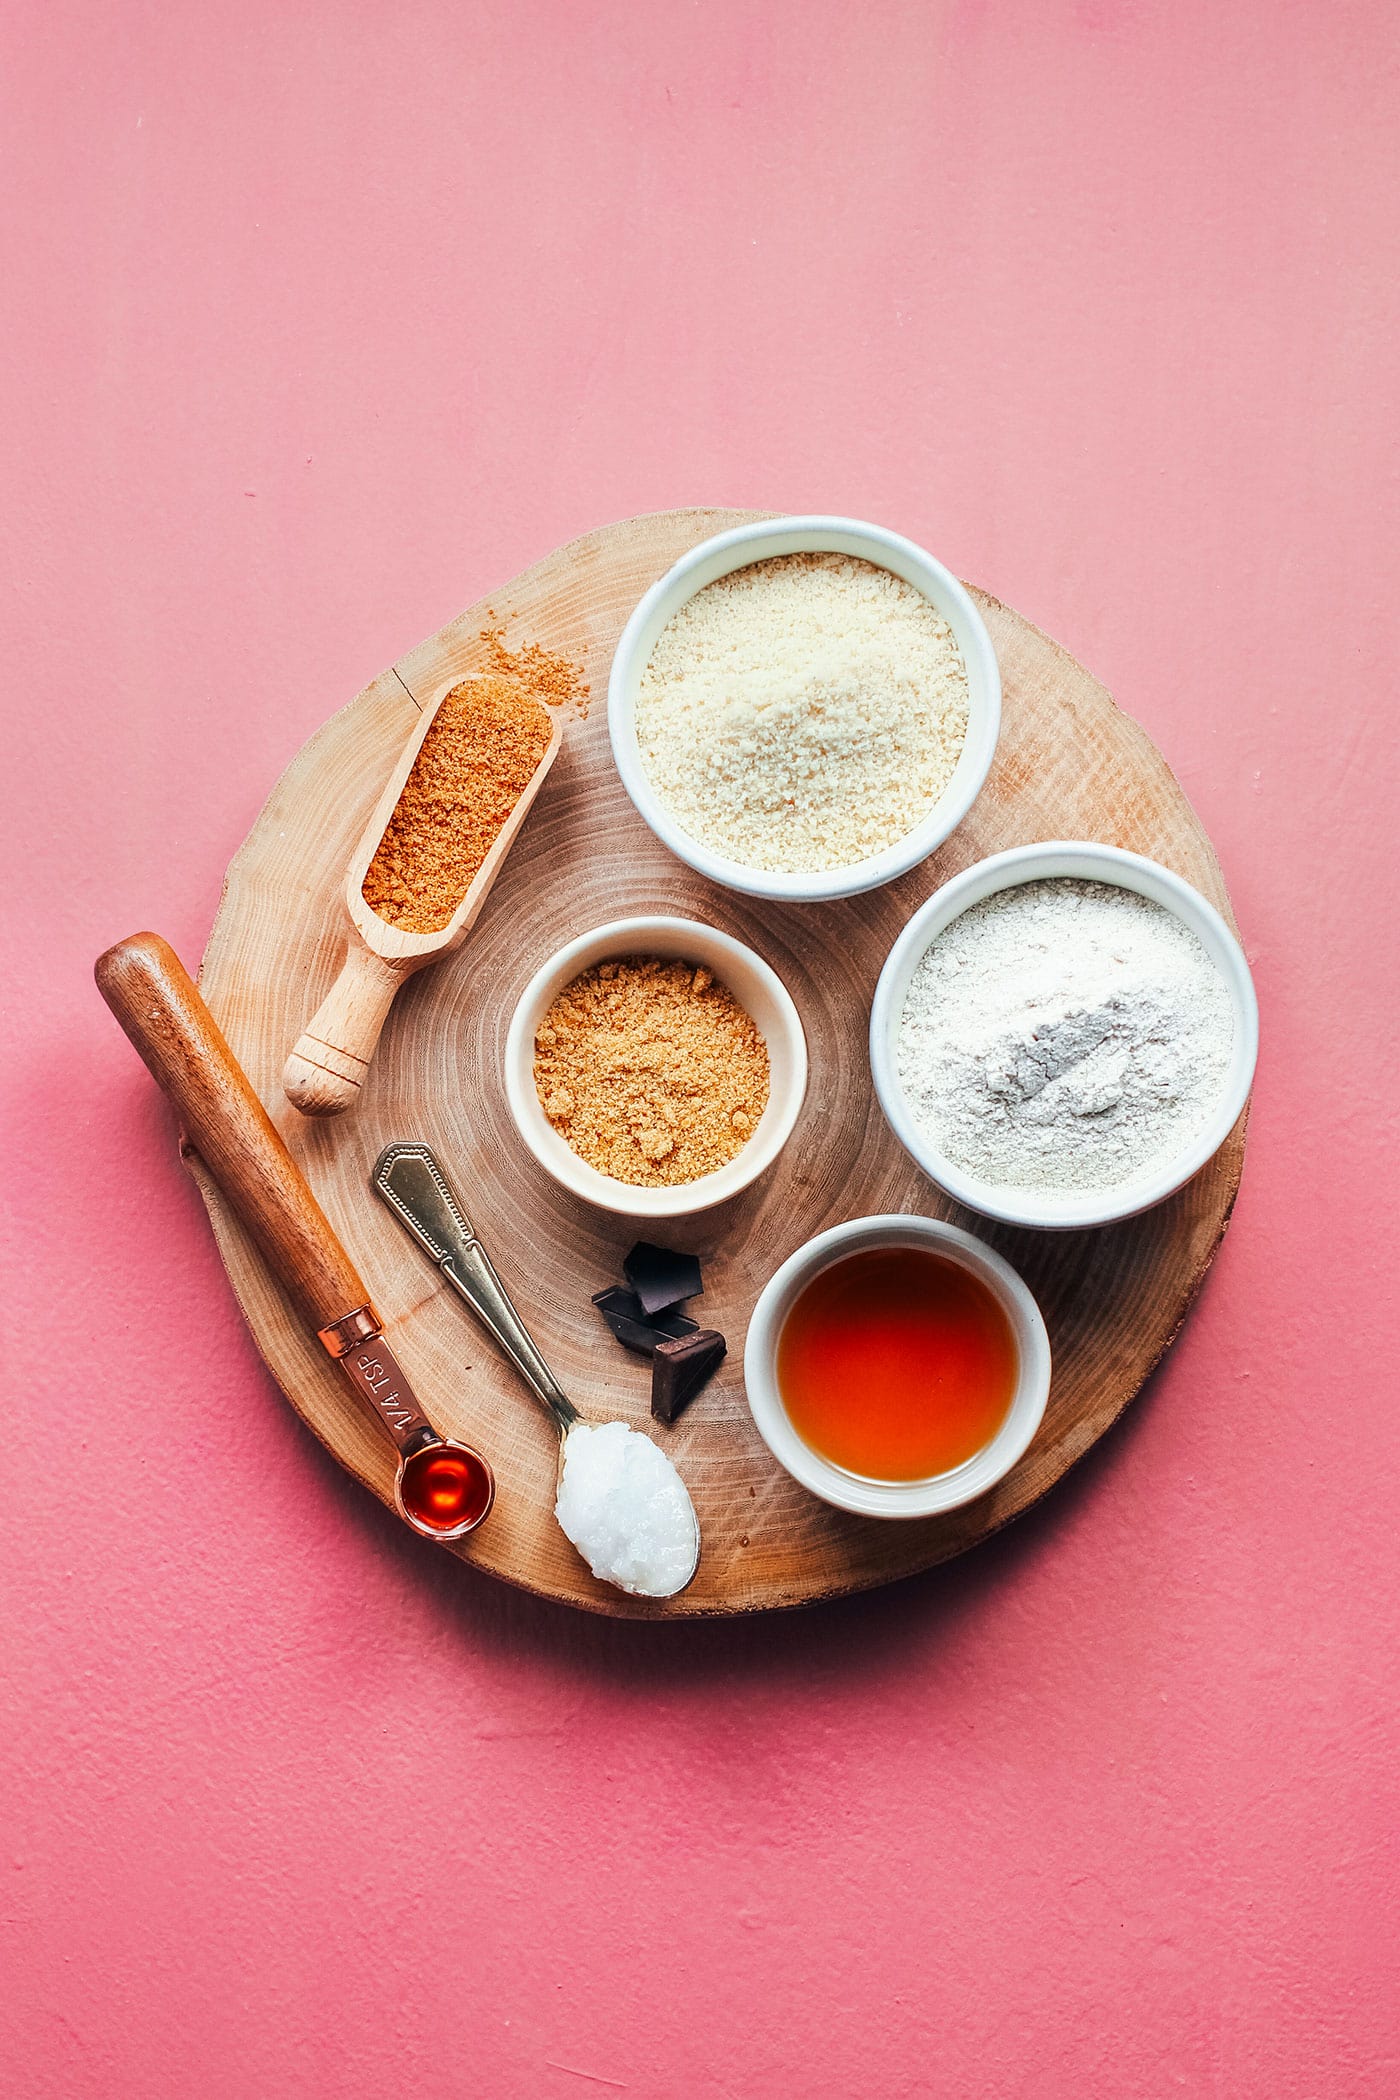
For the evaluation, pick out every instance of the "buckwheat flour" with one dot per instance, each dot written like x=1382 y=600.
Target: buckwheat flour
x=1064 y=1035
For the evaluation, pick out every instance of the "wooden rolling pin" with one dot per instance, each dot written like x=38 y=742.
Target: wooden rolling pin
x=325 y=1070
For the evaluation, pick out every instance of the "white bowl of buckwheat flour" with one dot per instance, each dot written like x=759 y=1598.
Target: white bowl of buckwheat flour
x=804 y=708
x=1064 y=1034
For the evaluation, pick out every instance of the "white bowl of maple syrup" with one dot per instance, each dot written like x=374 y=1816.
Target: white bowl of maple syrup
x=897 y=1367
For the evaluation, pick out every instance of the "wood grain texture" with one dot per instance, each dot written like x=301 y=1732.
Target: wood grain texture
x=1069 y=765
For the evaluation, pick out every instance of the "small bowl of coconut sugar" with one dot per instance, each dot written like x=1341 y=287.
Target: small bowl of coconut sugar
x=655 y=1066
x=804 y=708
x=1064 y=1034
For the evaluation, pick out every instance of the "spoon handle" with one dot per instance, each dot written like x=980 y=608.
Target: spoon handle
x=410 y=1181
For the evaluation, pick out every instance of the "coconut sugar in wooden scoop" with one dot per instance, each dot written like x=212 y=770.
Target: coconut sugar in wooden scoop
x=423 y=869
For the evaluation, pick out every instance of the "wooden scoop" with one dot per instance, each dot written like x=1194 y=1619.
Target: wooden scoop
x=323 y=1075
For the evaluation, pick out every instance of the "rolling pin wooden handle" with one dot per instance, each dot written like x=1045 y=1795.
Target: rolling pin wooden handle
x=151 y=993
x=322 y=1076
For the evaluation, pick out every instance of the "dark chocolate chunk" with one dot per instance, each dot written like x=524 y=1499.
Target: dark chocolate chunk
x=680 y=1368
x=635 y=1334
x=623 y=1312
x=618 y=1299
x=660 y=1277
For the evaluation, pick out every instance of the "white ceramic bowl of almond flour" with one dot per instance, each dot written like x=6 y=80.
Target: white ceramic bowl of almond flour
x=766 y=541
x=1049 y=1207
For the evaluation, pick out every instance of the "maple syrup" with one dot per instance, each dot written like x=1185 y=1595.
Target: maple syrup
x=443 y=1487
x=897 y=1364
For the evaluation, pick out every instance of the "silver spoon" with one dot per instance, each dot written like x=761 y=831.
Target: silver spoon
x=408 y=1178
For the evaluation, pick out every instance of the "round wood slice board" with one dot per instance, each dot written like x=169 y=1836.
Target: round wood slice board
x=1069 y=765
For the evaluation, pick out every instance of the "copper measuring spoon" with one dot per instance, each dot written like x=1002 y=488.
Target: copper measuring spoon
x=443 y=1489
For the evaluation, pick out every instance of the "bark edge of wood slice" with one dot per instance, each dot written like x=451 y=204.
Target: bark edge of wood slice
x=1069 y=764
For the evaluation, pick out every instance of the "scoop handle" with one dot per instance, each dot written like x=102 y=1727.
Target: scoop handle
x=328 y=1063
x=153 y=997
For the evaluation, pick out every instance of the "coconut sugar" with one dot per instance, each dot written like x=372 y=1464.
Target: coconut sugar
x=651 y=1070
x=481 y=753
x=803 y=713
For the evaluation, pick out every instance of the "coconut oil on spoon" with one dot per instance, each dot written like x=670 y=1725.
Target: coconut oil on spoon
x=618 y=1498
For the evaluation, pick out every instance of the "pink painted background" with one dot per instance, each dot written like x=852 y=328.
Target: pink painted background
x=324 y=318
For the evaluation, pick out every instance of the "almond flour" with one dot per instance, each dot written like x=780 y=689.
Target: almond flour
x=803 y=713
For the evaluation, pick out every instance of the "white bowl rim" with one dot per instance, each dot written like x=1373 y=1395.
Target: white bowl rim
x=890 y=1498
x=623 y=936
x=1049 y=860
x=751 y=543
